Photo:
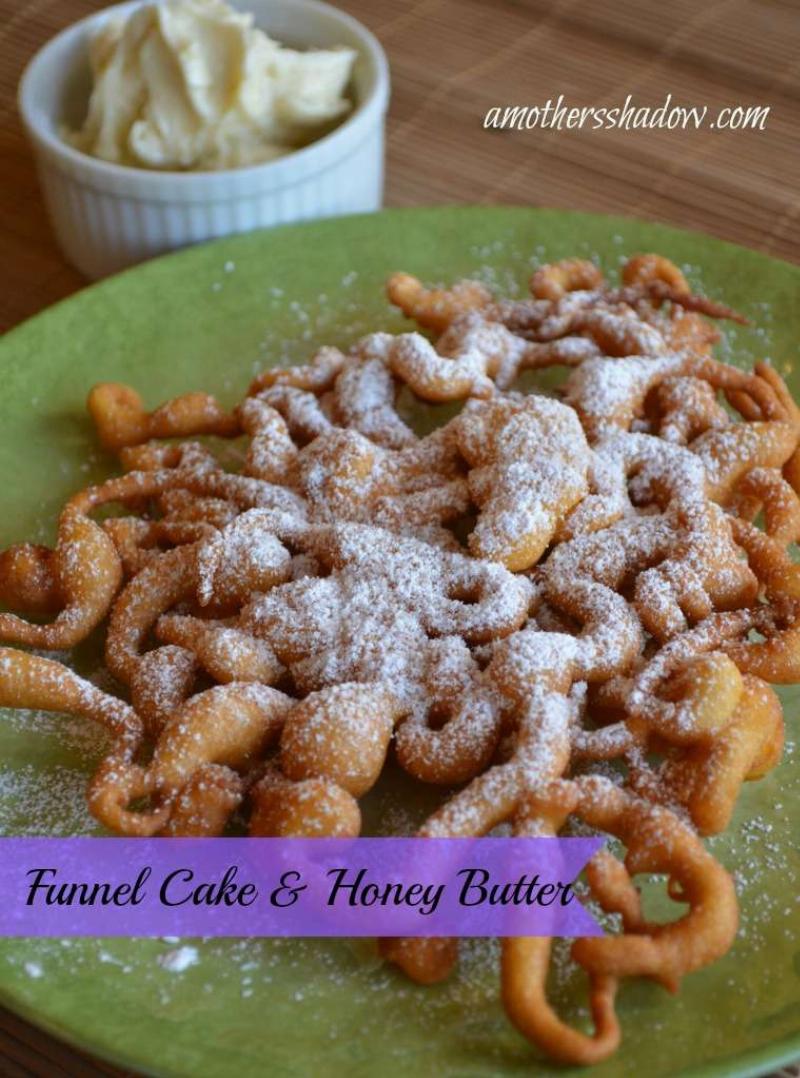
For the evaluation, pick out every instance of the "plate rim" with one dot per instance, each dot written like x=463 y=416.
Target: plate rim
x=154 y=265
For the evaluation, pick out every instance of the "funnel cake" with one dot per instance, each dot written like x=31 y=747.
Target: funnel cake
x=560 y=604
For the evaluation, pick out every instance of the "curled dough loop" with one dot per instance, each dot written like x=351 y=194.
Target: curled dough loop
x=340 y=733
x=86 y=576
x=570 y=275
x=229 y=725
x=121 y=420
x=308 y=808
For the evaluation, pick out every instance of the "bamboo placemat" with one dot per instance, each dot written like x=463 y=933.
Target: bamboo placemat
x=452 y=60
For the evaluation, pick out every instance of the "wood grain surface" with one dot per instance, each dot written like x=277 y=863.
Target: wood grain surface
x=451 y=61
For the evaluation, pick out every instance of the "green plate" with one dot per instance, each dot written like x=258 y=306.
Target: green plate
x=209 y=318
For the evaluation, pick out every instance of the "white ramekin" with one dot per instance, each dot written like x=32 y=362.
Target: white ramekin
x=107 y=216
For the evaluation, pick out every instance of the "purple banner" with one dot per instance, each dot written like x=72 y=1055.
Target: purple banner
x=293 y=887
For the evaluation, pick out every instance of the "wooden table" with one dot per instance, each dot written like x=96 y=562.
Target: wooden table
x=452 y=60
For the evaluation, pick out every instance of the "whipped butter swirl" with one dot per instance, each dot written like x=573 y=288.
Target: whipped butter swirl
x=193 y=84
